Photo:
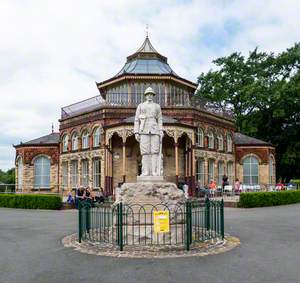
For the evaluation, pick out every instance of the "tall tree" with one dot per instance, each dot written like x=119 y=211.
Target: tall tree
x=263 y=91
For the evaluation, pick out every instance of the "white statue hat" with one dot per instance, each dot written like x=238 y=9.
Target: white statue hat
x=149 y=90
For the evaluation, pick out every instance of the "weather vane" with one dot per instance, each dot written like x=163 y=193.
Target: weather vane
x=147 y=27
x=52 y=128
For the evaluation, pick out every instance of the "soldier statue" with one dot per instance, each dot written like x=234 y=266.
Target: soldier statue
x=148 y=132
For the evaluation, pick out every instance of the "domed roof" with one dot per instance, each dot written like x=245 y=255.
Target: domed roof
x=146 y=60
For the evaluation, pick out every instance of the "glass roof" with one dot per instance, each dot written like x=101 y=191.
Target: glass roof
x=146 y=66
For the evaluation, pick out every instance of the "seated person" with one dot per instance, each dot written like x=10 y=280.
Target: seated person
x=212 y=187
x=70 y=199
x=99 y=195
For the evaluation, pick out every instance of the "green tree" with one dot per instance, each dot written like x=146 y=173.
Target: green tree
x=263 y=91
x=7 y=177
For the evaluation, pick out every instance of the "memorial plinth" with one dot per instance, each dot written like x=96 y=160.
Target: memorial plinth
x=149 y=192
x=140 y=200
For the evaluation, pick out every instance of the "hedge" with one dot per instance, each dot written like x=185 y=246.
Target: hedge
x=34 y=201
x=260 y=199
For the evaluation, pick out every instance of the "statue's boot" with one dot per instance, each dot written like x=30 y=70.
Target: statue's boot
x=154 y=165
x=146 y=164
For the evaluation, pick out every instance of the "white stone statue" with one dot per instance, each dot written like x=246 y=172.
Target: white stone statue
x=148 y=132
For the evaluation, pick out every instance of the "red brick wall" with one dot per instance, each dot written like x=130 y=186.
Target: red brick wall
x=263 y=152
x=29 y=152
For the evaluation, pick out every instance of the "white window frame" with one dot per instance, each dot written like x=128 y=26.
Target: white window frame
x=64 y=174
x=200 y=173
x=85 y=140
x=221 y=172
x=249 y=160
x=220 y=143
x=96 y=173
x=211 y=140
x=84 y=180
x=74 y=173
x=229 y=143
x=45 y=174
x=96 y=137
x=74 y=141
x=65 y=141
x=211 y=170
x=199 y=137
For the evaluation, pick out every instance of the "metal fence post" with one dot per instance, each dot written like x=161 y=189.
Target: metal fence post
x=222 y=218
x=79 y=221
x=120 y=226
x=88 y=217
x=188 y=225
x=207 y=213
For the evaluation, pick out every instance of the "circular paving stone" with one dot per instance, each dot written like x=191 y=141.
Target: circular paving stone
x=209 y=247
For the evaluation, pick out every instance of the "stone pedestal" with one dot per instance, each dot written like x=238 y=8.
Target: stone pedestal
x=153 y=193
x=152 y=179
x=140 y=200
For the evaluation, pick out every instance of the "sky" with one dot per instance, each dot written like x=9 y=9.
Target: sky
x=53 y=52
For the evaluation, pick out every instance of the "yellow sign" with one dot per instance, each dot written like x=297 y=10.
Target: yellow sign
x=161 y=221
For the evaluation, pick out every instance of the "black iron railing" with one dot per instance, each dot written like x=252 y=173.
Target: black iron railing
x=124 y=100
x=122 y=225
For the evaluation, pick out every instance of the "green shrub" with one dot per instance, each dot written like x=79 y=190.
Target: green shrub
x=269 y=198
x=34 y=201
x=296 y=181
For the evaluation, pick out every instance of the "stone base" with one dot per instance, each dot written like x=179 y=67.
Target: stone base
x=153 y=179
x=151 y=193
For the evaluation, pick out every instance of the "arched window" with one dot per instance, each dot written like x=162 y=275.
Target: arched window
x=211 y=140
x=220 y=142
x=20 y=173
x=250 y=169
x=85 y=140
x=220 y=172
x=211 y=164
x=96 y=173
x=65 y=142
x=42 y=172
x=96 y=137
x=200 y=172
x=229 y=143
x=271 y=170
x=199 y=137
x=74 y=141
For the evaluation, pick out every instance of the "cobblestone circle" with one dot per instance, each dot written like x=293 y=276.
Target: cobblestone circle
x=210 y=247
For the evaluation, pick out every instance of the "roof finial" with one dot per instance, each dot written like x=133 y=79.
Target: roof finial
x=147 y=28
x=52 y=128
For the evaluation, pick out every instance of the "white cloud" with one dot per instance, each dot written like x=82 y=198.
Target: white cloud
x=51 y=52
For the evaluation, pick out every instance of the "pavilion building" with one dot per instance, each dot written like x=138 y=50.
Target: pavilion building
x=96 y=147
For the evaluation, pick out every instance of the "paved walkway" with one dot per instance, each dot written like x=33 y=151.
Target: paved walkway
x=31 y=251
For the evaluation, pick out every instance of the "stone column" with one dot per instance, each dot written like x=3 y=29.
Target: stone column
x=106 y=181
x=186 y=164
x=176 y=161
x=124 y=160
x=193 y=165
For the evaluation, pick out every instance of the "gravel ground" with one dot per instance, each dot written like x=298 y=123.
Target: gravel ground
x=31 y=251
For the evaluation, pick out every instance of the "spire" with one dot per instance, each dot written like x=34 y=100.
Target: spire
x=146 y=46
x=52 y=128
x=147 y=27
x=147 y=51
